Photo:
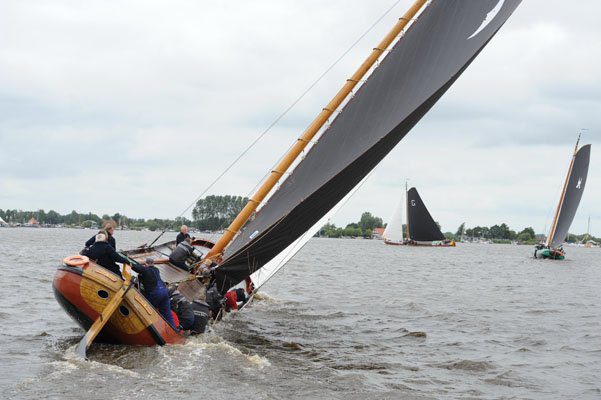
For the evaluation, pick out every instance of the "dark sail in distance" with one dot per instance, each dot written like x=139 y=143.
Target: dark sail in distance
x=573 y=194
x=418 y=70
x=422 y=227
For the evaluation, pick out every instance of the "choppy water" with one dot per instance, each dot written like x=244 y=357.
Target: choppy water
x=346 y=319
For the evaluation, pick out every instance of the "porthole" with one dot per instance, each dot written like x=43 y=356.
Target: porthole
x=124 y=311
x=103 y=294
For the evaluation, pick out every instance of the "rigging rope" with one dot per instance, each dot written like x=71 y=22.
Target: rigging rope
x=294 y=103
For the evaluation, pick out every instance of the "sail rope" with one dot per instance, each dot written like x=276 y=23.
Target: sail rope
x=270 y=126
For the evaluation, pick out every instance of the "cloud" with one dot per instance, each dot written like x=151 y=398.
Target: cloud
x=135 y=107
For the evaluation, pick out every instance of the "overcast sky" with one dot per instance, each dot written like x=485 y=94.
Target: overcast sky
x=135 y=106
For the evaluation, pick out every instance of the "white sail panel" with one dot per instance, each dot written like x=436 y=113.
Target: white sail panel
x=394 y=228
x=261 y=276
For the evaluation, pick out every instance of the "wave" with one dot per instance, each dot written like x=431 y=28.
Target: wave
x=467 y=365
x=218 y=344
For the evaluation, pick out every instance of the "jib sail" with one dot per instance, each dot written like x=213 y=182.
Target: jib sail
x=394 y=229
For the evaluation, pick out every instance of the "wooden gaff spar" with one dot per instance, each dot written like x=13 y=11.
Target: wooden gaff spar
x=409 y=79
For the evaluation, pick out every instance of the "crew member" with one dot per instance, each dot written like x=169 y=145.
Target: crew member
x=154 y=288
x=105 y=255
x=107 y=228
x=183 y=235
x=181 y=253
x=184 y=311
x=233 y=297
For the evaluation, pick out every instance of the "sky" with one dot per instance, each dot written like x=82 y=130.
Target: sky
x=137 y=106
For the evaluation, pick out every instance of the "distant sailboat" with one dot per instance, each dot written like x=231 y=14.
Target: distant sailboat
x=568 y=204
x=420 y=228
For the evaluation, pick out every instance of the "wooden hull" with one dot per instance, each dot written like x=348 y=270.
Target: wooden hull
x=83 y=292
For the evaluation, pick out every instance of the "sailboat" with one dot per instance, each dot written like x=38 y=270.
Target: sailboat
x=571 y=194
x=420 y=228
x=424 y=53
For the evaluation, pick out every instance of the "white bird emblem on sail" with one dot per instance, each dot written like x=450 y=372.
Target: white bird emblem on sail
x=579 y=183
x=412 y=203
x=489 y=17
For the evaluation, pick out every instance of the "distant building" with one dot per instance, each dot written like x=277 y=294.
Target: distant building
x=377 y=233
x=32 y=223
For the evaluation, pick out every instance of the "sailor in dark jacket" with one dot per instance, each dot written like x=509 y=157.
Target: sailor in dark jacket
x=184 y=311
x=105 y=255
x=182 y=235
x=107 y=227
x=154 y=288
x=181 y=253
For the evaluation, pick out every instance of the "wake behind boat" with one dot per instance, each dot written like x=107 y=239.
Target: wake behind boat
x=427 y=50
x=420 y=228
x=573 y=188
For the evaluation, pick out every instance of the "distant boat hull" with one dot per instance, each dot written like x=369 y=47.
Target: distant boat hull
x=422 y=244
x=551 y=254
x=436 y=243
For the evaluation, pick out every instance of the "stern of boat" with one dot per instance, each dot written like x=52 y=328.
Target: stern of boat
x=84 y=289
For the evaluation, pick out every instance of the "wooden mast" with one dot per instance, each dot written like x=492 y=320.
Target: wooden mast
x=311 y=131
x=563 y=194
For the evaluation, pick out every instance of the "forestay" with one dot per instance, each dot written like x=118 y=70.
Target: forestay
x=418 y=70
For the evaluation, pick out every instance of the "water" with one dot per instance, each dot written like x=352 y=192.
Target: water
x=346 y=319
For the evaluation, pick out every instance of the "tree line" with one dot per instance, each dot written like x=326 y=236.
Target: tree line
x=216 y=212
x=210 y=213
x=89 y=220
x=502 y=233
x=363 y=228
x=499 y=232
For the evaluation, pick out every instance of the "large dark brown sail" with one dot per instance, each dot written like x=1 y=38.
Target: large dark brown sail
x=419 y=69
x=572 y=196
x=422 y=227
